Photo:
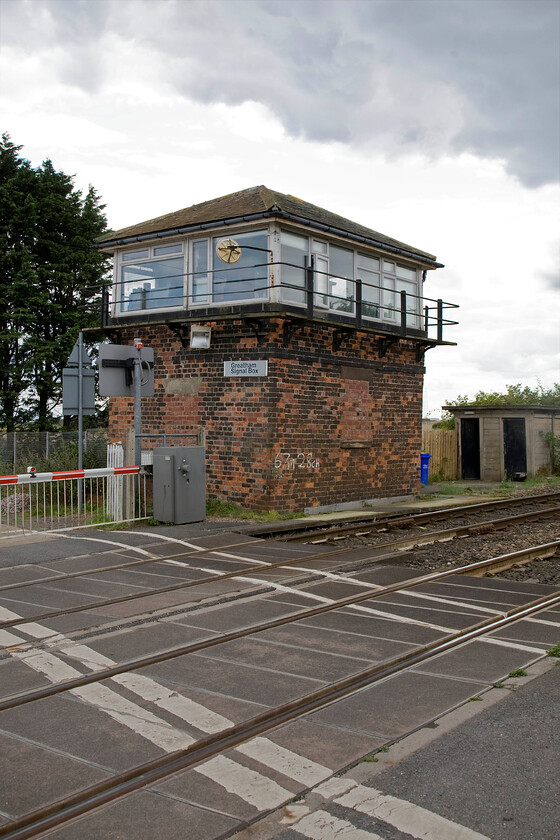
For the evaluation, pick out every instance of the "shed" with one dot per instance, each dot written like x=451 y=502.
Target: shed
x=504 y=441
x=292 y=337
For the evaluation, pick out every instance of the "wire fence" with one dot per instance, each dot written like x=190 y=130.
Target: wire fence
x=51 y=450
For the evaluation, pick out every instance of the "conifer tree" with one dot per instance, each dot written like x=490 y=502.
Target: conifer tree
x=50 y=281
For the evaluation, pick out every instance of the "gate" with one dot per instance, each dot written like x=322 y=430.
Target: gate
x=57 y=501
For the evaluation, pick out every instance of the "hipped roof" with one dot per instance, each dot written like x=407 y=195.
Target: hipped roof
x=252 y=204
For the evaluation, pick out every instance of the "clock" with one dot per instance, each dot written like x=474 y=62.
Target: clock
x=228 y=250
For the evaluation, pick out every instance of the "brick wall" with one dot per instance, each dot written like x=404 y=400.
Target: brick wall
x=322 y=428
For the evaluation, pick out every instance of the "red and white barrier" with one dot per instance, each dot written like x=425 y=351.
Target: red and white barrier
x=33 y=477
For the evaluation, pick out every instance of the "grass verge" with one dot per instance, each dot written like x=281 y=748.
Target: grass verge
x=228 y=510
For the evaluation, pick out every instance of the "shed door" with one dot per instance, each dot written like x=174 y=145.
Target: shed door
x=515 y=447
x=470 y=448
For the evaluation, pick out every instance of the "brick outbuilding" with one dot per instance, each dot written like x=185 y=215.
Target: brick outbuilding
x=310 y=390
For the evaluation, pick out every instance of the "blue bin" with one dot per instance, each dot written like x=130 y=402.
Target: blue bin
x=424 y=467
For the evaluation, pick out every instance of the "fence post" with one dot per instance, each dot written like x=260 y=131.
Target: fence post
x=309 y=270
x=128 y=483
x=403 y=312
x=116 y=484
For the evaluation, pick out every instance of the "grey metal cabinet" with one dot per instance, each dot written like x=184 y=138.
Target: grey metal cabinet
x=179 y=484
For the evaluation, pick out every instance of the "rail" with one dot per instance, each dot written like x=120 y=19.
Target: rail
x=117 y=786
x=346 y=300
x=54 y=501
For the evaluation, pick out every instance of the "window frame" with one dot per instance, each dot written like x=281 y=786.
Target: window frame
x=387 y=304
x=388 y=284
x=210 y=239
x=125 y=259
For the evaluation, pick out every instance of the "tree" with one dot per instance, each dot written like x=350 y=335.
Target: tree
x=50 y=282
x=514 y=395
x=16 y=185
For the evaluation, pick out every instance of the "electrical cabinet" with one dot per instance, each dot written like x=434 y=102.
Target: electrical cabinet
x=179 y=484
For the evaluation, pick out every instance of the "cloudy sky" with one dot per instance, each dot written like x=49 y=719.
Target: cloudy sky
x=435 y=122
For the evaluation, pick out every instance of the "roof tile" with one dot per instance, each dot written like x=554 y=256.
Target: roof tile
x=247 y=203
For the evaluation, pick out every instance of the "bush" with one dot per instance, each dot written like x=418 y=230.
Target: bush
x=65 y=457
x=553 y=443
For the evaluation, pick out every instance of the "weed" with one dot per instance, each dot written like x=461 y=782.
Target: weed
x=473 y=699
x=498 y=685
x=370 y=758
x=384 y=748
x=554 y=650
x=538 y=480
x=214 y=507
x=531 y=481
x=518 y=672
x=453 y=490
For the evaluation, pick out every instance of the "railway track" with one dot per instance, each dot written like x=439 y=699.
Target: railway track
x=61 y=811
x=299 y=577
x=304 y=531
x=475 y=569
x=386 y=550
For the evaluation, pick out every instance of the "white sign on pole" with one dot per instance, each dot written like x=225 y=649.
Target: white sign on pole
x=246 y=368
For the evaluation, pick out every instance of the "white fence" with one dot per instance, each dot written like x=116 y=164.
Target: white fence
x=115 y=494
x=57 y=501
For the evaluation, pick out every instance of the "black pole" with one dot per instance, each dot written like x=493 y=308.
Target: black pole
x=358 y=289
x=309 y=269
x=403 y=313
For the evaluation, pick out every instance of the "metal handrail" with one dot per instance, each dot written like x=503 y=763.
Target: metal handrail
x=432 y=313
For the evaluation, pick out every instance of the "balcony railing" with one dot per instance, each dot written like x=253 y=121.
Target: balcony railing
x=316 y=295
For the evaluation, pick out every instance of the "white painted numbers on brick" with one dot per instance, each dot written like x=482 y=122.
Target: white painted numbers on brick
x=296 y=461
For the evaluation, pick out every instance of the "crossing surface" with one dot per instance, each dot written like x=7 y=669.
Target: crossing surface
x=81 y=738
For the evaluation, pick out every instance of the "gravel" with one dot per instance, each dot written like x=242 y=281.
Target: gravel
x=469 y=549
x=487 y=542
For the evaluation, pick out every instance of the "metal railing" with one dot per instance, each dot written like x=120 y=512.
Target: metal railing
x=57 y=501
x=320 y=294
x=153 y=439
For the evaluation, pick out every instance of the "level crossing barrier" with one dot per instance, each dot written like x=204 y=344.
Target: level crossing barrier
x=55 y=501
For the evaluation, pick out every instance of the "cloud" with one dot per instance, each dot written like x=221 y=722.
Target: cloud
x=552 y=280
x=430 y=77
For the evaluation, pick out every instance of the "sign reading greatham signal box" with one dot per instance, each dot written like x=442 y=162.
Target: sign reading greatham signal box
x=245 y=368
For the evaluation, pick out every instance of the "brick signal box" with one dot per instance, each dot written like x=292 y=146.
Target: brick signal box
x=294 y=337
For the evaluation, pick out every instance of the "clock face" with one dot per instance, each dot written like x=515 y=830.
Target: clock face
x=228 y=250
